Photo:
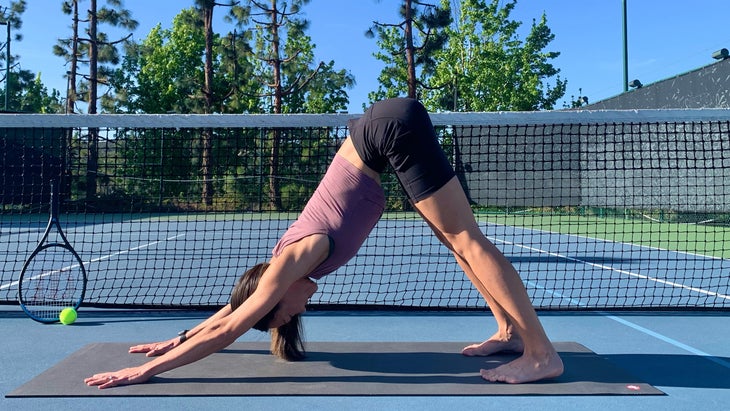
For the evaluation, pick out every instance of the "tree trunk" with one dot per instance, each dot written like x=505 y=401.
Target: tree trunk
x=411 y=65
x=71 y=91
x=274 y=186
x=92 y=165
x=207 y=134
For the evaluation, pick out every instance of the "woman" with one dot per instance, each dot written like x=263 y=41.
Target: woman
x=335 y=223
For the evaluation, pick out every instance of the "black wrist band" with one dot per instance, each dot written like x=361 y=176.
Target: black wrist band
x=182 y=336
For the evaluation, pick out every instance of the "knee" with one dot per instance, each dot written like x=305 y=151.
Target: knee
x=442 y=238
x=466 y=244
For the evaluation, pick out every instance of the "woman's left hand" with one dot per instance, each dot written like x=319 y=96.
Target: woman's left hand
x=126 y=376
x=155 y=349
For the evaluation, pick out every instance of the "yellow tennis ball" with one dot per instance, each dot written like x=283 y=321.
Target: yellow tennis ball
x=67 y=316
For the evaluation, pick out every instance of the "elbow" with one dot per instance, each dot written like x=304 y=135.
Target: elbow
x=228 y=336
x=222 y=335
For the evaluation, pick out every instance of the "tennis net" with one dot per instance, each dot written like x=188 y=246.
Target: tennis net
x=597 y=210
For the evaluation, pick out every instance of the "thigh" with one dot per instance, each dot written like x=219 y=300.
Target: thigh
x=447 y=210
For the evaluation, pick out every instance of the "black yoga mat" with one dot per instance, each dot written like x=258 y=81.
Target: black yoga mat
x=332 y=369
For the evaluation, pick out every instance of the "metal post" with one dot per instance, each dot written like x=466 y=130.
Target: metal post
x=162 y=167
x=626 y=50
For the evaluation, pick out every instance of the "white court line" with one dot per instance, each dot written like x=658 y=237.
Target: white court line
x=106 y=257
x=608 y=267
x=95 y=260
x=47 y=273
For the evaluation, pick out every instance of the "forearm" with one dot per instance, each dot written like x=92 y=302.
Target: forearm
x=160 y=348
x=220 y=314
x=206 y=341
x=211 y=336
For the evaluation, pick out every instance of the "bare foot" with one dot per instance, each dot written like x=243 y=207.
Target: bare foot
x=526 y=369
x=495 y=344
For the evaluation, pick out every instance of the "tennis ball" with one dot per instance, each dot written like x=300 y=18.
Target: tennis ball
x=67 y=316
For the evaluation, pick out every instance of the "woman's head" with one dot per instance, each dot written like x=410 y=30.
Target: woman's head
x=284 y=319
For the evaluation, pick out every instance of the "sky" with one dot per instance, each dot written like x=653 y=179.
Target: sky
x=665 y=38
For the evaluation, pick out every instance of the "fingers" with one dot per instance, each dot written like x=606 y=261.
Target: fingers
x=140 y=348
x=152 y=349
x=135 y=375
x=104 y=380
x=160 y=349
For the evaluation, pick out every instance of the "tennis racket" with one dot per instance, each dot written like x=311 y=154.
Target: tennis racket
x=54 y=276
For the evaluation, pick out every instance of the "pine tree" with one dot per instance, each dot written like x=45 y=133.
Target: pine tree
x=407 y=48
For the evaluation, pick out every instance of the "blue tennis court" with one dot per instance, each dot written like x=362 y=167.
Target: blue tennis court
x=671 y=351
x=681 y=353
x=195 y=261
x=616 y=221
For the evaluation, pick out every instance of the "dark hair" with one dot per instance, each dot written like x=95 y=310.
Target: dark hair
x=286 y=341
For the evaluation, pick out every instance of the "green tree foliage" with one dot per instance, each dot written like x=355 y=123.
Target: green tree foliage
x=35 y=97
x=285 y=62
x=486 y=67
x=11 y=20
x=214 y=49
x=206 y=8
x=189 y=69
x=164 y=72
x=309 y=86
x=93 y=50
x=326 y=92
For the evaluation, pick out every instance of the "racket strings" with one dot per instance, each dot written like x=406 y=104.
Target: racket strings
x=52 y=281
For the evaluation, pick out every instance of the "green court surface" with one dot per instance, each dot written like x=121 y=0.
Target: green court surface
x=684 y=237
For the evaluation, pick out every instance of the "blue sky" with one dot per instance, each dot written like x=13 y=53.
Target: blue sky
x=666 y=38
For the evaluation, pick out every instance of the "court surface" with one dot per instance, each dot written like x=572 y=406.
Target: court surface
x=195 y=260
x=683 y=353
x=686 y=355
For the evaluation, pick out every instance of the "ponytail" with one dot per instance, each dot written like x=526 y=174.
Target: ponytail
x=286 y=341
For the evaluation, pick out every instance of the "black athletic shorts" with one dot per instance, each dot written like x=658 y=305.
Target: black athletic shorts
x=399 y=131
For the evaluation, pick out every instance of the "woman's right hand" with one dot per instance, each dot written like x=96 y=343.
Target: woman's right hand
x=155 y=349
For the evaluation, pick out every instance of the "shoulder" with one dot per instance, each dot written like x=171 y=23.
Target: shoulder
x=305 y=255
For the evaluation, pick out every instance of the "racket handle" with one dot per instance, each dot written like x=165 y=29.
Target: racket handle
x=54 y=198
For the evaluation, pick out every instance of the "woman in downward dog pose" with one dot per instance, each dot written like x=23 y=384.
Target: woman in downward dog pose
x=333 y=225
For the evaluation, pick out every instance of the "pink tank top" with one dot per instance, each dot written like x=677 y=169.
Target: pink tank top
x=346 y=206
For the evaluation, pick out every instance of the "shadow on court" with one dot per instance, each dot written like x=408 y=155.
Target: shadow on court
x=675 y=370
x=663 y=370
